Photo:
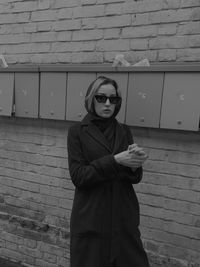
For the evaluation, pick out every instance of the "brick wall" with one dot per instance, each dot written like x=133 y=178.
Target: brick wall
x=36 y=194
x=169 y=196
x=94 y=31
x=35 y=188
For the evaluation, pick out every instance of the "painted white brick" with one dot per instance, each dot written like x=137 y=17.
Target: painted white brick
x=190 y=3
x=169 y=42
x=64 y=36
x=113 y=9
x=188 y=54
x=14 y=18
x=194 y=41
x=73 y=46
x=44 y=26
x=114 y=21
x=192 y=27
x=88 y=11
x=65 y=25
x=142 y=6
x=167 y=29
x=140 y=19
x=139 y=44
x=28 y=48
x=92 y=57
x=113 y=45
x=171 y=4
x=88 y=2
x=44 y=37
x=169 y=16
x=140 y=31
x=109 y=1
x=64 y=3
x=89 y=23
x=167 y=55
x=87 y=35
x=112 y=33
x=24 y=6
x=65 y=13
x=44 y=15
x=15 y=38
x=5 y=8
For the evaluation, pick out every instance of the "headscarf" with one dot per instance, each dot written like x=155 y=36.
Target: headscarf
x=92 y=90
x=106 y=125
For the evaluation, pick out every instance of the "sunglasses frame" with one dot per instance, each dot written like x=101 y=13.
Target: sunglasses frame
x=116 y=99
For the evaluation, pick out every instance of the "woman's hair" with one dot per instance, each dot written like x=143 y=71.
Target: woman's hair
x=94 y=87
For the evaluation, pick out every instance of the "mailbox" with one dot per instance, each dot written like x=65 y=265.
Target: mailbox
x=144 y=99
x=26 y=94
x=122 y=81
x=6 y=93
x=53 y=95
x=181 y=98
x=77 y=85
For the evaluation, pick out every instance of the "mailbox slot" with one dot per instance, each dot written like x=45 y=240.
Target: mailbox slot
x=26 y=94
x=181 y=98
x=53 y=95
x=77 y=86
x=6 y=93
x=144 y=99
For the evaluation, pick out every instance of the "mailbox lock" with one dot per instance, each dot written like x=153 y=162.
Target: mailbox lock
x=179 y=122
x=142 y=119
x=52 y=113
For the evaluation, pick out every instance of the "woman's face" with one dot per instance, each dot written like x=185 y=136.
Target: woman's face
x=105 y=110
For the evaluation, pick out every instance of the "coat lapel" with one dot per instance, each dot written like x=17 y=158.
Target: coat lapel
x=98 y=136
x=95 y=133
x=119 y=139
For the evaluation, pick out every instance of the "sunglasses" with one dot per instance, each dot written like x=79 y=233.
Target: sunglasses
x=103 y=99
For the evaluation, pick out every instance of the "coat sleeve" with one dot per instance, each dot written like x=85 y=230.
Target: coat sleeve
x=126 y=172
x=84 y=174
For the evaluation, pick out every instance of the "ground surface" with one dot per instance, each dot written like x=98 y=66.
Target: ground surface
x=7 y=263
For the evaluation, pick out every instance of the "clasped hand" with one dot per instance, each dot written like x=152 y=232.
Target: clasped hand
x=133 y=157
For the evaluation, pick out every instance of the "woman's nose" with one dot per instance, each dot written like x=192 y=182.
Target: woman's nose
x=107 y=102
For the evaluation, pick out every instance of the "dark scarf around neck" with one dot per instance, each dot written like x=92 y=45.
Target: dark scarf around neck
x=106 y=126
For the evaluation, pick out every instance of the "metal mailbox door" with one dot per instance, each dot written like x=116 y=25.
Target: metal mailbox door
x=6 y=93
x=181 y=101
x=144 y=99
x=53 y=95
x=26 y=94
x=122 y=81
x=77 y=85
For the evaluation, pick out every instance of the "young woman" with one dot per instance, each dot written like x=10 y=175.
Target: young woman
x=104 y=163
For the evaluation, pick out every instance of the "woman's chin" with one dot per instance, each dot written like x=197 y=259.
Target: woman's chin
x=106 y=115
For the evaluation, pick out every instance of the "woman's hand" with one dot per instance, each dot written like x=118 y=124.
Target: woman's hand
x=133 y=157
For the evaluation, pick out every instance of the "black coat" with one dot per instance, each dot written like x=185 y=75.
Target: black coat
x=105 y=214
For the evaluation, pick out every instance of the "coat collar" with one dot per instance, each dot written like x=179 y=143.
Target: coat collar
x=98 y=136
x=94 y=132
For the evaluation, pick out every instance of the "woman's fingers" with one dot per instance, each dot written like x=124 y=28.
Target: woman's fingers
x=136 y=150
x=131 y=159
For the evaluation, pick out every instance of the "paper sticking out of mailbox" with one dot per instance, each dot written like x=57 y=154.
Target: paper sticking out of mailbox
x=142 y=63
x=3 y=63
x=121 y=61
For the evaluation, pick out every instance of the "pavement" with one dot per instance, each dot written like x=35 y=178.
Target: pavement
x=7 y=263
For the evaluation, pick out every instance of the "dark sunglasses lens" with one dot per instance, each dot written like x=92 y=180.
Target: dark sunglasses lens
x=114 y=99
x=101 y=98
